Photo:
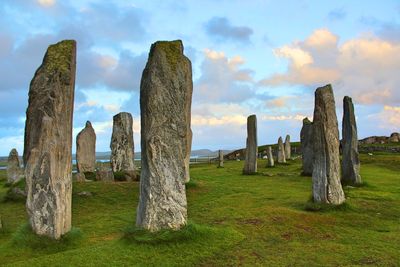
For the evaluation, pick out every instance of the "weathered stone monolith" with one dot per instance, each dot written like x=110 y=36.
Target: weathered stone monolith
x=165 y=106
x=306 y=140
x=250 y=164
x=104 y=173
x=288 y=148
x=13 y=167
x=326 y=168
x=86 y=149
x=122 y=146
x=281 y=151
x=271 y=162
x=350 y=158
x=220 y=158
x=48 y=141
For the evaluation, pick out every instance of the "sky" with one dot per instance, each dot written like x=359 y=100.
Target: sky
x=249 y=57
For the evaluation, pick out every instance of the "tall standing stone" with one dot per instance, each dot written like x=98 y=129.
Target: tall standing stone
x=165 y=106
x=220 y=158
x=288 y=148
x=350 y=159
x=271 y=162
x=48 y=141
x=122 y=146
x=86 y=149
x=250 y=165
x=281 y=151
x=326 y=168
x=13 y=167
x=306 y=140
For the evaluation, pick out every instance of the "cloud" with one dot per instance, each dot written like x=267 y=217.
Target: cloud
x=46 y=3
x=221 y=29
x=223 y=79
x=337 y=14
x=365 y=67
x=388 y=118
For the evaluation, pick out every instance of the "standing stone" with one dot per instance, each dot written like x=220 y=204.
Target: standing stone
x=326 y=168
x=281 y=151
x=104 y=173
x=306 y=139
x=122 y=147
x=165 y=106
x=250 y=165
x=13 y=167
x=48 y=141
x=80 y=177
x=350 y=159
x=220 y=159
x=86 y=149
x=271 y=162
x=288 y=148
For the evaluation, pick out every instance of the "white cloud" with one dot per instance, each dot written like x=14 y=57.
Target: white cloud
x=47 y=3
x=365 y=67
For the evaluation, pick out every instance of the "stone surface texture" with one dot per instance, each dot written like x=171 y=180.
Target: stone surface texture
x=350 y=158
x=48 y=141
x=394 y=138
x=250 y=164
x=220 y=158
x=13 y=167
x=165 y=103
x=80 y=177
x=306 y=140
x=104 y=173
x=86 y=149
x=271 y=162
x=326 y=168
x=281 y=157
x=288 y=148
x=122 y=146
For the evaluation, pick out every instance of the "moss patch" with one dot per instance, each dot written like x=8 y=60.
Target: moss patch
x=58 y=56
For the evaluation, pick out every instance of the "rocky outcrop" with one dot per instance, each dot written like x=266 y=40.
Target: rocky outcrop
x=306 y=139
x=288 y=149
x=326 y=168
x=13 y=167
x=165 y=105
x=250 y=165
x=86 y=149
x=48 y=141
x=394 y=138
x=350 y=158
x=281 y=157
x=270 y=156
x=220 y=158
x=122 y=146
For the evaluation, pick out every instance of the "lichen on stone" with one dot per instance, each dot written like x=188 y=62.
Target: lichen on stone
x=172 y=49
x=58 y=56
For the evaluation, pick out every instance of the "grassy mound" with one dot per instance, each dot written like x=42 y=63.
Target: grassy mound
x=24 y=237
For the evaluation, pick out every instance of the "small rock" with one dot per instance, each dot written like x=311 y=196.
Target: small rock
x=80 y=177
x=85 y=194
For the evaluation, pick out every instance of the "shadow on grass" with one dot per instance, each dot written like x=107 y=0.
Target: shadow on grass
x=191 y=232
x=191 y=184
x=324 y=207
x=24 y=237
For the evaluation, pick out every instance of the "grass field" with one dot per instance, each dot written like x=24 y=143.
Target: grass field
x=257 y=220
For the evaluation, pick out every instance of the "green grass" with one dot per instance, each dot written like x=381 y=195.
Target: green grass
x=249 y=220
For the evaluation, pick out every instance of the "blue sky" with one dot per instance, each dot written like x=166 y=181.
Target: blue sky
x=249 y=57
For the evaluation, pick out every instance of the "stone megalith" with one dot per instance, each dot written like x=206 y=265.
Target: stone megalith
x=270 y=156
x=288 y=148
x=122 y=146
x=48 y=141
x=306 y=140
x=250 y=164
x=350 y=158
x=165 y=105
x=104 y=173
x=13 y=167
x=281 y=157
x=326 y=168
x=86 y=149
x=220 y=159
